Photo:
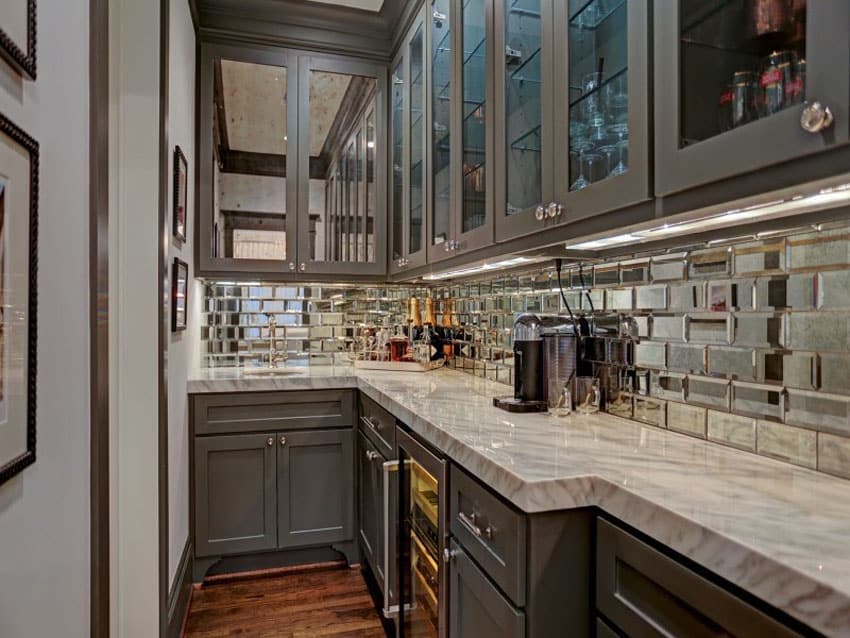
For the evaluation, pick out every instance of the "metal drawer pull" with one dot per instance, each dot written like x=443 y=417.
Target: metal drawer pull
x=449 y=555
x=469 y=521
x=371 y=455
x=372 y=425
x=270 y=442
x=283 y=440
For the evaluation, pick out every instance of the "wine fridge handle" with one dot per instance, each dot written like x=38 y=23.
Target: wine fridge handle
x=388 y=468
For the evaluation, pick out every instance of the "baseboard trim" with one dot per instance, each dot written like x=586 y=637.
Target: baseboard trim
x=180 y=594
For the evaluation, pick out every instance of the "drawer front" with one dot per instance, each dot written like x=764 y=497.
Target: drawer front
x=476 y=608
x=646 y=593
x=603 y=630
x=272 y=411
x=379 y=426
x=492 y=532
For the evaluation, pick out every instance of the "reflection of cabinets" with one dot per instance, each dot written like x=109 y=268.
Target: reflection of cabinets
x=292 y=173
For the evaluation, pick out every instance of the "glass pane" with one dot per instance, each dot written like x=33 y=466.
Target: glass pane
x=523 y=108
x=441 y=107
x=598 y=92
x=249 y=133
x=338 y=104
x=360 y=177
x=474 y=121
x=740 y=61
x=424 y=554
x=417 y=149
x=371 y=187
x=397 y=117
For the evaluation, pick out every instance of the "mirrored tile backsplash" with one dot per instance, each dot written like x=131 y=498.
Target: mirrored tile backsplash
x=746 y=345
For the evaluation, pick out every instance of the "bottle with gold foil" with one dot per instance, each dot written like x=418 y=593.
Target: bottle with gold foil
x=414 y=314
x=430 y=317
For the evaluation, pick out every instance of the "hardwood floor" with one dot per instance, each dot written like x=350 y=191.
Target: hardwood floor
x=328 y=602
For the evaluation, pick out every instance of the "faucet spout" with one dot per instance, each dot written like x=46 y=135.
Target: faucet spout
x=276 y=356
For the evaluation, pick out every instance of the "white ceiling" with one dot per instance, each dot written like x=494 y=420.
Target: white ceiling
x=366 y=5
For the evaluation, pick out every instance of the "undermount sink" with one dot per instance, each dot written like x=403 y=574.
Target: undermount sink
x=269 y=372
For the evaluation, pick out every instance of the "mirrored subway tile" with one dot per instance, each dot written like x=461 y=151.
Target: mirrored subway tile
x=634 y=271
x=819 y=331
x=835 y=373
x=687 y=419
x=619 y=299
x=668 y=327
x=709 y=328
x=667 y=385
x=708 y=392
x=732 y=363
x=759 y=257
x=771 y=293
x=651 y=297
x=824 y=412
x=834 y=454
x=606 y=275
x=668 y=267
x=733 y=430
x=642 y=325
x=758 y=330
x=620 y=405
x=799 y=370
x=762 y=401
x=251 y=305
x=730 y=295
x=551 y=303
x=819 y=250
x=650 y=354
x=332 y=318
x=651 y=411
x=787 y=443
x=686 y=358
x=704 y=264
x=833 y=290
x=801 y=291
x=260 y=292
x=686 y=297
x=593 y=301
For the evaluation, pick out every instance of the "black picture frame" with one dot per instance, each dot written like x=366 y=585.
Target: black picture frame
x=179 y=298
x=181 y=194
x=21 y=55
x=14 y=466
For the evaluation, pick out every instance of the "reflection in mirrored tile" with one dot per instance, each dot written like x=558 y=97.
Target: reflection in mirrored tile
x=758 y=330
x=833 y=290
x=686 y=358
x=651 y=411
x=730 y=429
x=708 y=328
x=757 y=400
x=606 y=275
x=835 y=373
x=651 y=297
x=634 y=271
x=710 y=263
x=786 y=443
x=801 y=291
x=688 y=419
x=686 y=297
x=800 y=370
x=834 y=454
x=732 y=363
x=619 y=299
x=817 y=250
x=816 y=331
x=668 y=327
x=650 y=355
x=771 y=293
x=668 y=268
x=758 y=257
x=713 y=393
x=667 y=385
x=824 y=412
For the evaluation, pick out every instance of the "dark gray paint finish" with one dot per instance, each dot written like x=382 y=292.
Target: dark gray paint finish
x=378 y=425
x=272 y=411
x=235 y=494
x=181 y=593
x=646 y=593
x=503 y=556
x=766 y=141
x=603 y=630
x=315 y=487
x=370 y=531
x=476 y=608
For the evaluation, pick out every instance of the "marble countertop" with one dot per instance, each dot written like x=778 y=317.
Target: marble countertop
x=779 y=532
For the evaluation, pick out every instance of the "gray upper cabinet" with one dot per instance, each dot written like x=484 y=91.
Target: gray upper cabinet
x=408 y=139
x=732 y=91
x=292 y=167
x=315 y=487
x=235 y=489
x=573 y=95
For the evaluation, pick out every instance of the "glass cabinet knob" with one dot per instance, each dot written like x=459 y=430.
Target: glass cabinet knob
x=292 y=265
x=540 y=213
x=303 y=266
x=553 y=210
x=816 y=117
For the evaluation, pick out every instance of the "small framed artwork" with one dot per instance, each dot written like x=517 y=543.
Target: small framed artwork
x=18 y=298
x=179 y=295
x=181 y=193
x=17 y=35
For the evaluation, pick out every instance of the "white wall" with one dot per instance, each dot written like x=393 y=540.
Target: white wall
x=44 y=512
x=183 y=347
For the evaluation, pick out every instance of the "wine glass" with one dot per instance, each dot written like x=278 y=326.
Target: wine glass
x=623 y=155
x=589 y=167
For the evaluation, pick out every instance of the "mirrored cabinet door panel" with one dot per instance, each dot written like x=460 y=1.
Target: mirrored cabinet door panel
x=397 y=160
x=416 y=119
x=441 y=126
x=340 y=103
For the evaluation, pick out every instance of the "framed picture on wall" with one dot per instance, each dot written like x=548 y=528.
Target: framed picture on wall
x=18 y=297
x=181 y=193
x=17 y=35
x=179 y=295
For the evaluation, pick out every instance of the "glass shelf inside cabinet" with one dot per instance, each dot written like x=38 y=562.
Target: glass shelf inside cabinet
x=740 y=61
x=598 y=91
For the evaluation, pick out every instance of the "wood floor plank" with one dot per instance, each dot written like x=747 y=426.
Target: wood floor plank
x=332 y=603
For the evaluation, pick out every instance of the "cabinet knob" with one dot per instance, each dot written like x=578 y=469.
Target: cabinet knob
x=449 y=555
x=371 y=455
x=816 y=117
x=303 y=266
x=292 y=265
x=540 y=213
x=270 y=442
x=282 y=441
x=553 y=209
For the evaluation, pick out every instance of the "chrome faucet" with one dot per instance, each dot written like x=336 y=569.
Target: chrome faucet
x=276 y=356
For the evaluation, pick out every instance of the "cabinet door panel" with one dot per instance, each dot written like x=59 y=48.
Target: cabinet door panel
x=370 y=501
x=315 y=487
x=235 y=494
x=476 y=608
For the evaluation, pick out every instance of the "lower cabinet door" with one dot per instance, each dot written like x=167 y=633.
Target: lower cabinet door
x=476 y=607
x=370 y=504
x=315 y=482
x=235 y=494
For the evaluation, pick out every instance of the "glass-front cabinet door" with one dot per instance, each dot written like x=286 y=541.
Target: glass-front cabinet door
x=743 y=84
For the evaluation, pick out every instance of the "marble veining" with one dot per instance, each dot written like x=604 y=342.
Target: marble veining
x=778 y=531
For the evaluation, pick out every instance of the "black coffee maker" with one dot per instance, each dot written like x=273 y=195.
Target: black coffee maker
x=529 y=369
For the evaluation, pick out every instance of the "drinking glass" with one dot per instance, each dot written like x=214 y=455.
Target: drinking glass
x=622 y=159
x=616 y=98
x=590 y=170
x=610 y=155
x=593 y=114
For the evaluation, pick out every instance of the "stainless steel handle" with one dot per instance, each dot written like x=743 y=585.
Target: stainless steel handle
x=470 y=522
x=270 y=442
x=552 y=210
x=371 y=455
x=449 y=555
x=303 y=266
x=292 y=265
x=388 y=467
x=540 y=213
x=283 y=440
x=816 y=117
